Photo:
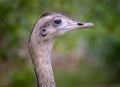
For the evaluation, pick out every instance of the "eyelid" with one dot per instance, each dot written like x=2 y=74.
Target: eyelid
x=63 y=23
x=55 y=24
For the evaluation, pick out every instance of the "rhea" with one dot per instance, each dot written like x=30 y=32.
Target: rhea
x=46 y=29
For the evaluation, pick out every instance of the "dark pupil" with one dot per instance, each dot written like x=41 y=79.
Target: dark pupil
x=43 y=30
x=58 y=21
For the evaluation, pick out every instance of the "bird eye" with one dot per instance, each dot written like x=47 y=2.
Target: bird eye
x=43 y=32
x=58 y=21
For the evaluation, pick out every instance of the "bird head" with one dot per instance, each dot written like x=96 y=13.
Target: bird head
x=51 y=25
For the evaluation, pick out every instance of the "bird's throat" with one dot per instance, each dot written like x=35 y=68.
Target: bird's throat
x=42 y=64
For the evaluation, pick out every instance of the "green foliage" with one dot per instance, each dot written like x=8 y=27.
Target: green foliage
x=22 y=77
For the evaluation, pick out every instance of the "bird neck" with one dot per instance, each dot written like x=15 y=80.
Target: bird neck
x=40 y=54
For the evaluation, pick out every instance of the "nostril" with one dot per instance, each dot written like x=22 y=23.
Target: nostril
x=80 y=23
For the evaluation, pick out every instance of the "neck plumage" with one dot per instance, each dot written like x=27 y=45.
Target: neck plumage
x=40 y=54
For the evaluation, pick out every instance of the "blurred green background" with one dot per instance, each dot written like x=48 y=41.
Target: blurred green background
x=83 y=58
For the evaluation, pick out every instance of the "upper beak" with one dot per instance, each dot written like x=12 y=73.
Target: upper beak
x=74 y=25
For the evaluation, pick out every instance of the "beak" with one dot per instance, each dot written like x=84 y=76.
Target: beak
x=74 y=25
